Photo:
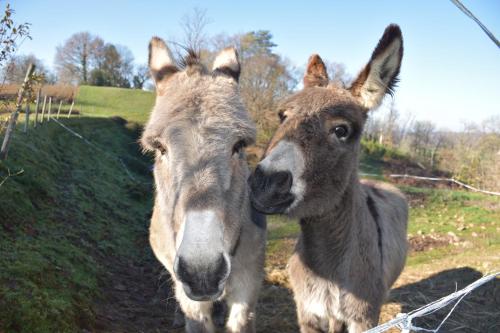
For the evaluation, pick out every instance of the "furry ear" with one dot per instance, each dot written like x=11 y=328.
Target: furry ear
x=226 y=63
x=380 y=75
x=161 y=62
x=316 y=75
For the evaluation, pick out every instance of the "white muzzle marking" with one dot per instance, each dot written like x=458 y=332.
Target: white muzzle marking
x=287 y=156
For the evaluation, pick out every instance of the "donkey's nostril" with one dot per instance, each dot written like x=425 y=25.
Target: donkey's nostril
x=181 y=270
x=283 y=181
x=203 y=280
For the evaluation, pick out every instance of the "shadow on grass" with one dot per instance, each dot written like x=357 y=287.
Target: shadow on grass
x=477 y=312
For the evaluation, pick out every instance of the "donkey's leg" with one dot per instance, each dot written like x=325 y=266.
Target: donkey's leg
x=241 y=301
x=198 y=315
x=241 y=296
x=310 y=323
x=358 y=327
x=361 y=326
x=337 y=326
x=310 y=327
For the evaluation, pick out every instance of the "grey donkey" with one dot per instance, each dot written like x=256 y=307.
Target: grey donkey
x=203 y=228
x=352 y=245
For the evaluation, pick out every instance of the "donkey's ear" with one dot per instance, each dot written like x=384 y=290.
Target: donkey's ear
x=226 y=63
x=316 y=75
x=380 y=75
x=161 y=62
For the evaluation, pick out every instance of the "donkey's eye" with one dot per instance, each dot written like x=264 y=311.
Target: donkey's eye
x=282 y=116
x=341 y=131
x=239 y=146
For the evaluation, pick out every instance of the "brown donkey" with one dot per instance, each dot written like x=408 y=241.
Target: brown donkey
x=352 y=245
x=203 y=229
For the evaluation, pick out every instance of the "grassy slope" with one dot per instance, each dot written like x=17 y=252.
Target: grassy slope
x=71 y=208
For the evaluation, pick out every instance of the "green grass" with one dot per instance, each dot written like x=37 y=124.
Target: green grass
x=131 y=104
x=473 y=217
x=71 y=208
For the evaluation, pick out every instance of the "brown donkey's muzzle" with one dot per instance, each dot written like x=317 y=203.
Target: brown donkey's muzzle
x=270 y=191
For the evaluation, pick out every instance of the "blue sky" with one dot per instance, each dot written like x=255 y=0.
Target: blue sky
x=450 y=72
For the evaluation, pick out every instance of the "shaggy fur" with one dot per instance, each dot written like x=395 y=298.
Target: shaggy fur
x=197 y=130
x=352 y=245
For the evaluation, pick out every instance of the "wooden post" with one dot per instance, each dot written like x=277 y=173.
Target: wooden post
x=71 y=108
x=49 y=109
x=59 y=109
x=27 y=122
x=37 y=108
x=43 y=107
x=13 y=117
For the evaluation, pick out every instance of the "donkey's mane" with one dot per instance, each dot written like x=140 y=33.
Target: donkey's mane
x=192 y=58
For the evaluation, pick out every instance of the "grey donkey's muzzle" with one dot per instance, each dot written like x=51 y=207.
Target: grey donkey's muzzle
x=201 y=263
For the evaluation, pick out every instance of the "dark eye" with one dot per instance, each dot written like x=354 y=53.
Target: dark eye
x=282 y=116
x=239 y=146
x=341 y=131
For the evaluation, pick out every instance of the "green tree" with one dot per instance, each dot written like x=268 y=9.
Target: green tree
x=114 y=68
x=256 y=43
x=140 y=77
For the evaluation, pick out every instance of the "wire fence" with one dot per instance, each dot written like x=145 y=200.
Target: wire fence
x=43 y=111
x=437 y=179
x=404 y=321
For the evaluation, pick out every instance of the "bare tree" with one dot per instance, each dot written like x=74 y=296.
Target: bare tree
x=337 y=73
x=421 y=138
x=15 y=70
x=193 y=25
x=77 y=57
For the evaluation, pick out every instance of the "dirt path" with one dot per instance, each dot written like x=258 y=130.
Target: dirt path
x=136 y=298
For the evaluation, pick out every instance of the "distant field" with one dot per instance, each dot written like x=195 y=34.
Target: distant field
x=132 y=104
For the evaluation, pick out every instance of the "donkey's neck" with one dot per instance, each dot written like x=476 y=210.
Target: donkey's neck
x=326 y=240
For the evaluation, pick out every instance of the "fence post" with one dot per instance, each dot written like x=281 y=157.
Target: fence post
x=43 y=108
x=13 y=117
x=37 y=108
x=71 y=108
x=59 y=109
x=27 y=122
x=49 y=109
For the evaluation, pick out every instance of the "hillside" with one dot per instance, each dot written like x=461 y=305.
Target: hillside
x=72 y=216
x=74 y=224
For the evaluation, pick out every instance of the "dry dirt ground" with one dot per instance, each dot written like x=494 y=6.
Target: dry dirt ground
x=137 y=297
